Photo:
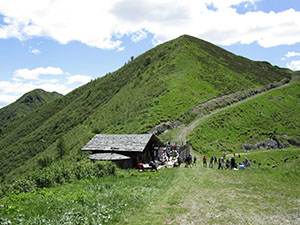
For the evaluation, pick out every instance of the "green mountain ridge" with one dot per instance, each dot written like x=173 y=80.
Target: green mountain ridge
x=26 y=104
x=160 y=85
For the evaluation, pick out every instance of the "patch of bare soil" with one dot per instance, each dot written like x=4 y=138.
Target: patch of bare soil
x=216 y=200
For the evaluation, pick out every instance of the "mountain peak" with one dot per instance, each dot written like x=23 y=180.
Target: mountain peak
x=27 y=103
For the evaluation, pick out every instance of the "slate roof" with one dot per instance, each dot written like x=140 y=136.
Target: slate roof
x=108 y=157
x=118 y=142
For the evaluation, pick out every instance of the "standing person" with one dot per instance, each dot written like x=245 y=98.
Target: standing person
x=168 y=155
x=216 y=160
x=211 y=165
x=246 y=161
x=190 y=159
x=186 y=162
x=232 y=162
x=219 y=160
x=222 y=162
x=175 y=147
x=227 y=164
x=195 y=160
x=179 y=161
x=141 y=167
x=204 y=162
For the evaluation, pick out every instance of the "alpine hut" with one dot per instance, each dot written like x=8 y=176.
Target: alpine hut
x=126 y=150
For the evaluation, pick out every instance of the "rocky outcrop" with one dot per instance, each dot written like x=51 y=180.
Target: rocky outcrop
x=295 y=143
x=164 y=126
x=269 y=144
x=223 y=101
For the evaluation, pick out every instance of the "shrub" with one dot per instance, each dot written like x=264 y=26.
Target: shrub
x=45 y=161
x=22 y=185
x=59 y=173
x=147 y=61
x=61 y=148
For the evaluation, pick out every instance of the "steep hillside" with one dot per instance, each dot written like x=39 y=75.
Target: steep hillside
x=161 y=85
x=26 y=104
x=268 y=121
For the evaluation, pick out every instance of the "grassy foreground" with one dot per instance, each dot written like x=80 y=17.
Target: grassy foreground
x=171 y=196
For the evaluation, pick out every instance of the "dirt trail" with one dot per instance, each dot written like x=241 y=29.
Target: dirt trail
x=182 y=133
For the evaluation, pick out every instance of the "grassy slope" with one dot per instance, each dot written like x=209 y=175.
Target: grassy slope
x=171 y=196
x=26 y=104
x=160 y=85
x=272 y=115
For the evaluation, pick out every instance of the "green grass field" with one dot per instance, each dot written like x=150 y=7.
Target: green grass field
x=172 y=196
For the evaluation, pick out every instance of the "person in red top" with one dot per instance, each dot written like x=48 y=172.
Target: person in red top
x=141 y=167
x=204 y=162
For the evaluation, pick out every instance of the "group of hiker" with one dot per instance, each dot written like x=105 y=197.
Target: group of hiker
x=221 y=162
x=170 y=157
x=188 y=161
x=166 y=157
x=168 y=154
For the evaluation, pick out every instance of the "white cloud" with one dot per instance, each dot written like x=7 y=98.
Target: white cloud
x=26 y=80
x=12 y=88
x=16 y=79
x=5 y=99
x=294 y=65
x=83 y=79
x=35 y=73
x=292 y=54
x=139 y=35
x=102 y=23
x=35 y=51
x=7 y=87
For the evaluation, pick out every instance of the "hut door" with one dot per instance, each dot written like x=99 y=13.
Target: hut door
x=134 y=162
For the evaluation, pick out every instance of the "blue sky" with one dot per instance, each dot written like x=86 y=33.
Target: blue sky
x=61 y=45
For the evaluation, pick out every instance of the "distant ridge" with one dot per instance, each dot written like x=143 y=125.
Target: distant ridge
x=26 y=104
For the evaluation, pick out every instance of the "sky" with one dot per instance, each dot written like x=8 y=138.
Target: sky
x=59 y=45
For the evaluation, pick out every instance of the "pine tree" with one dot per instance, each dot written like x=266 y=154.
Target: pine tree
x=61 y=148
